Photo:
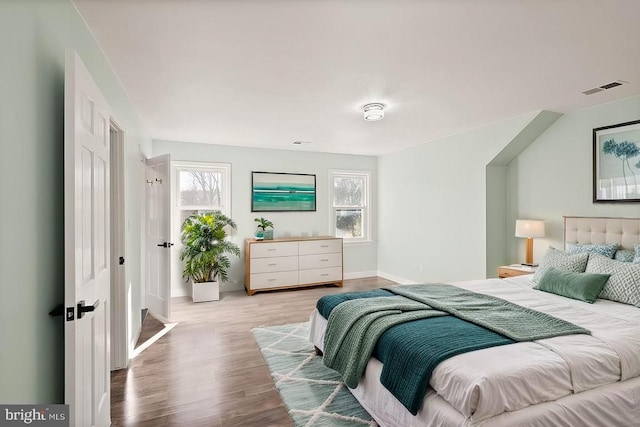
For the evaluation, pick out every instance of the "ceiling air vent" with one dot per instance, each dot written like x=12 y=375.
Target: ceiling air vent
x=604 y=87
x=592 y=91
x=610 y=85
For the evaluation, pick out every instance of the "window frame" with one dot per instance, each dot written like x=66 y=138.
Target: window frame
x=365 y=206
x=224 y=168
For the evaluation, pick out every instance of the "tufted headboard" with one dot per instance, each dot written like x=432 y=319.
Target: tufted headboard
x=623 y=231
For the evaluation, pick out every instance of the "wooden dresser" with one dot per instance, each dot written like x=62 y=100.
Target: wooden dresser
x=292 y=263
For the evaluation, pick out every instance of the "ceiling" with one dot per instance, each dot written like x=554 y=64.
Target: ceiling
x=266 y=73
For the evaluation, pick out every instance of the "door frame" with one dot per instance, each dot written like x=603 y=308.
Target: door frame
x=119 y=295
x=143 y=229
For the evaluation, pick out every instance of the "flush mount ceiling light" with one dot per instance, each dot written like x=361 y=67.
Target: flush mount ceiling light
x=373 y=111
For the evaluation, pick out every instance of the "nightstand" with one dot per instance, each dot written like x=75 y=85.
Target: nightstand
x=505 y=271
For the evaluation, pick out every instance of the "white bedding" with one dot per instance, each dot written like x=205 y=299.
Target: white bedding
x=479 y=386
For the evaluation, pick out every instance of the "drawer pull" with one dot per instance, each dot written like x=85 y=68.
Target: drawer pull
x=273 y=265
x=271 y=249
x=325 y=260
x=272 y=280
x=324 y=246
x=324 y=274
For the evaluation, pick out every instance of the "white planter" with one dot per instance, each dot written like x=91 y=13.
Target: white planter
x=207 y=291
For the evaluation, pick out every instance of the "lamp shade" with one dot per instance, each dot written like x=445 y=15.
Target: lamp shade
x=529 y=228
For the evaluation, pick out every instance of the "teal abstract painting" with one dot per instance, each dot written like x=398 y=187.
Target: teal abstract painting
x=279 y=191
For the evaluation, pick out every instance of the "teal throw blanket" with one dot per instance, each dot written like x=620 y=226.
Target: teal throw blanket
x=514 y=321
x=411 y=333
x=409 y=353
x=347 y=349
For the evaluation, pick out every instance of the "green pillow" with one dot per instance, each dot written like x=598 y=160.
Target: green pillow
x=581 y=286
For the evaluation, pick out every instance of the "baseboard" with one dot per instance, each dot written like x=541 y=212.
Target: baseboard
x=182 y=291
x=145 y=311
x=360 y=275
x=394 y=278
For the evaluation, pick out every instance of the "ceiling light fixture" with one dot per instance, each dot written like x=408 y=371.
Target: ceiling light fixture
x=373 y=111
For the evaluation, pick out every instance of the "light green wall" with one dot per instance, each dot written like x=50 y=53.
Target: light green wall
x=553 y=176
x=496 y=241
x=360 y=259
x=35 y=35
x=432 y=204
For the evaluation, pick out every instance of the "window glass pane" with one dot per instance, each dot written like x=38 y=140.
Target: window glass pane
x=348 y=191
x=200 y=188
x=349 y=223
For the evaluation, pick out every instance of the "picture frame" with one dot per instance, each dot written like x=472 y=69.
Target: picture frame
x=283 y=192
x=616 y=163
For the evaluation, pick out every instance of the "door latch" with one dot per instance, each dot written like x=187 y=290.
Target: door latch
x=82 y=309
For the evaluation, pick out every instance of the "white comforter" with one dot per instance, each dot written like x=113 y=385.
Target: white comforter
x=485 y=383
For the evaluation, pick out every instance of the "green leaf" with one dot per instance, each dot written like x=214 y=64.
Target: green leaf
x=205 y=246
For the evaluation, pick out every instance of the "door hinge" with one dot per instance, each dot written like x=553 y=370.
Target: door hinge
x=121 y=260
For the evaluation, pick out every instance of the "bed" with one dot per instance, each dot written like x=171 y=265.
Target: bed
x=573 y=380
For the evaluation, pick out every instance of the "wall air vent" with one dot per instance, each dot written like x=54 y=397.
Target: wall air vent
x=604 y=87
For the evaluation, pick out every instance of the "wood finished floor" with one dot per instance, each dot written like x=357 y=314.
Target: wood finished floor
x=208 y=371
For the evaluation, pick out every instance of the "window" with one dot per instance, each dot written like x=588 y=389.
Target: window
x=196 y=187
x=350 y=205
x=203 y=186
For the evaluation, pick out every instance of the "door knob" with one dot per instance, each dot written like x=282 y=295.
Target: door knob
x=165 y=244
x=82 y=309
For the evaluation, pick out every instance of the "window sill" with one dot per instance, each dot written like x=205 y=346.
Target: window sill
x=357 y=242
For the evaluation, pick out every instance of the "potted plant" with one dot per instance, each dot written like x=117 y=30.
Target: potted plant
x=205 y=253
x=265 y=227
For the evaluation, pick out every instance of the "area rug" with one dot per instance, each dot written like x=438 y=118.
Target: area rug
x=314 y=395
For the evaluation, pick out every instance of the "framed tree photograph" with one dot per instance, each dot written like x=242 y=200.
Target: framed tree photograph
x=283 y=192
x=616 y=163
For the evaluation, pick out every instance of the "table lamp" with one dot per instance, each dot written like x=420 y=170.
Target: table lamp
x=529 y=228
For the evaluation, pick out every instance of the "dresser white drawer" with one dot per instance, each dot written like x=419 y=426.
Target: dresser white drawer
x=274 y=280
x=309 y=247
x=264 y=250
x=320 y=261
x=317 y=275
x=268 y=265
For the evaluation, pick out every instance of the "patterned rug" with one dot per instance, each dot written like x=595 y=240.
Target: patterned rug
x=314 y=394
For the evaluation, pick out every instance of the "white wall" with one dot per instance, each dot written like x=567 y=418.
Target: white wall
x=36 y=34
x=553 y=176
x=432 y=205
x=359 y=260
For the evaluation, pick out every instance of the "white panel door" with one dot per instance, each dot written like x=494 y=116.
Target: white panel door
x=86 y=210
x=158 y=234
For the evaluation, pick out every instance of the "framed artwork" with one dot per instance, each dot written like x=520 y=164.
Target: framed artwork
x=616 y=163
x=283 y=192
